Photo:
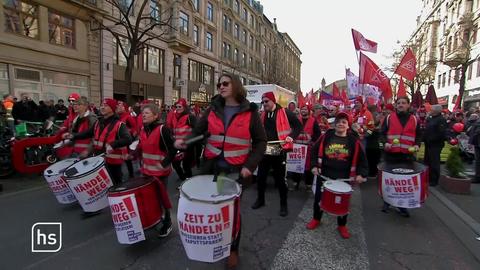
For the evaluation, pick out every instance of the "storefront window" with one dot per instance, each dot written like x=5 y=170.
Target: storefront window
x=4 y=85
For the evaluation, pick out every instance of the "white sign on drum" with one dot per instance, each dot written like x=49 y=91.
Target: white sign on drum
x=126 y=219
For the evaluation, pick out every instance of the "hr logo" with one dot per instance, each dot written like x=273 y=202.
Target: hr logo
x=46 y=237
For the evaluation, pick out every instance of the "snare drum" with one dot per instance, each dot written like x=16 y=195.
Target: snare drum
x=135 y=206
x=57 y=183
x=89 y=181
x=336 y=197
x=207 y=219
x=273 y=150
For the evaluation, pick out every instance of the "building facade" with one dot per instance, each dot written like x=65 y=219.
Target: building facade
x=446 y=37
x=49 y=49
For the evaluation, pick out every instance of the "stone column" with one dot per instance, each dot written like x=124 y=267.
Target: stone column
x=107 y=64
x=168 y=76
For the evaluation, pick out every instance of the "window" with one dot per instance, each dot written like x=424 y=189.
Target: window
x=244 y=60
x=195 y=34
x=210 y=11
x=250 y=63
x=177 y=66
x=236 y=6
x=441 y=54
x=469 y=73
x=229 y=51
x=155 y=10
x=196 y=4
x=207 y=74
x=236 y=58
x=121 y=60
x=456 y=79
x=236 y=31
x=245 y=14
x=21 y=18
x=478 y=68
x=209 y=42
x=224 y=49
x=153 y=60
x=193 y=70
x=251 y=42
x=252 y=21
x=227 y=24
x=61 y=29
x=125 y=5
x=443 y=79
x=449 y=77
x=244 y=36
x=474 y=34
x=183 y=23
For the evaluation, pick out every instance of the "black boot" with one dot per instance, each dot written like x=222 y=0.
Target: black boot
x=166 y=225
x=283 y=210
x=258 y=203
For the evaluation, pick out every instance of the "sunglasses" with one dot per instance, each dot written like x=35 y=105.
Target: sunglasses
x=71 y=100
x=225 y=84
x=264 y=101
x=178 y=107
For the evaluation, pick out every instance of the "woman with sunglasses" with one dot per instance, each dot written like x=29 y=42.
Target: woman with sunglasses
x=236 y=139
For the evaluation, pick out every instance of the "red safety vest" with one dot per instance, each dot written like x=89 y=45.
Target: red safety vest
x=118 y=155
x=152 y=155
x=130 y=123
x=235 y=142
x=283 y=127
x=356 y=153
x=181 y=127
x=80 y=146
x=305 y=137
x=405 y=135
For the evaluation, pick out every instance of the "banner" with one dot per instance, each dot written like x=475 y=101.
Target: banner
x=370 y=91
x=205 y=229
x=296 y=159
x=401 y=190
x=352 y=84
x=126 y=219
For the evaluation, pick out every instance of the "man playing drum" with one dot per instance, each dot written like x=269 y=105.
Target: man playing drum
x=402 y=138
x=338 y=154
x=236 y=140
x=280 y=125
x=110 y=136
x=156 y=146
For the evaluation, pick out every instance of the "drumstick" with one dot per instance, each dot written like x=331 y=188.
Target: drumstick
x=279 y=141
x=194 y=139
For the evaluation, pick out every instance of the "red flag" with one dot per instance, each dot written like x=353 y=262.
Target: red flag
x=402 y=92
x=408 y=66
x=457 y=104
x=311 y=97
x=300 y=99
x=363 y=44
x=345 y=99
x=370 y=73
x=335 y=92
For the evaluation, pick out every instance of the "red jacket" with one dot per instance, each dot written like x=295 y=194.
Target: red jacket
x=305 y=136
x=234 y=141
x=152 y=155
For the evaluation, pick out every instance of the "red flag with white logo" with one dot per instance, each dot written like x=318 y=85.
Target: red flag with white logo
x=402 y=92
x=371 y=74
x=408 y=66
x=363 y=44
x=345 y=99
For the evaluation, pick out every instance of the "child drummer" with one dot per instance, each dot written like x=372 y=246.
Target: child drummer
x=338 y=155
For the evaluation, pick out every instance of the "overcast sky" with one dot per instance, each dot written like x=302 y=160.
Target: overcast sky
x=322 y=31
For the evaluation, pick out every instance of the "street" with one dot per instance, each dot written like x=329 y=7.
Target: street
x=269 y=241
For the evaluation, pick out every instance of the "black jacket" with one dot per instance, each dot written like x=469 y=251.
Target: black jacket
x=435 y=132
x=259 y=139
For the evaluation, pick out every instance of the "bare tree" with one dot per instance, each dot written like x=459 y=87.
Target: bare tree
x=138 y=25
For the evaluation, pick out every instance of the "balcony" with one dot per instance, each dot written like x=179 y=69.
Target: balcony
x=181 y=42
x=456 y=57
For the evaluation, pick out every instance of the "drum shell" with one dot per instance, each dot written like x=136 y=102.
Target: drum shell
x=97 y=201
x=148 y=202
x=334 y=202
x=57 y=183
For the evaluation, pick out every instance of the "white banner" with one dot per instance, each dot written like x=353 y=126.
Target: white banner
x=205 y=229
x=401 y=190
x=352 y=84
x=296 y=159
x=369 y=91
x=91 y=190
x=126 y=219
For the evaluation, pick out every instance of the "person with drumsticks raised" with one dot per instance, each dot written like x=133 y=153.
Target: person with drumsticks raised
x=401 y=133
x=235 y=139
x=110 y=136
x=157 y=152
x=337 y=155
x=282 y=127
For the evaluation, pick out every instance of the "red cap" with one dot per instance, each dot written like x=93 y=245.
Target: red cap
x=182 y=102
x=110 y=102
x=125 y=105
x=74 y=97
x=344 y=115
x=270 y=96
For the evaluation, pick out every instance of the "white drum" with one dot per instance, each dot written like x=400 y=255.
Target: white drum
x=206 y=217
x=89 y=181
x=56 y=182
